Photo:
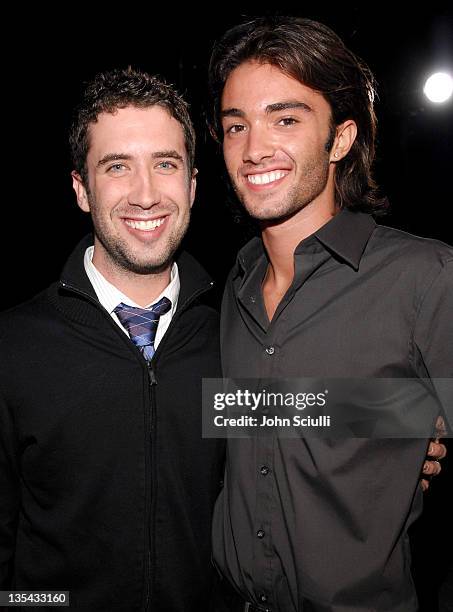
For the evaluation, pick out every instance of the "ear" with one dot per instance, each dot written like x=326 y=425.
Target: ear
x=193 y=186
x=346 y=133
x=80 y=191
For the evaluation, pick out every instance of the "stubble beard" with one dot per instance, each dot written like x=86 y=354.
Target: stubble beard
x=313 y=181
x=121 y=255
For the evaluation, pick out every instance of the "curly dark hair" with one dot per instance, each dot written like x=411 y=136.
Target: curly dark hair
x=314 y=55
x=115 y=89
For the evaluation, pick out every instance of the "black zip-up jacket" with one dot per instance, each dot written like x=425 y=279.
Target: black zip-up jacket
x=106 y=485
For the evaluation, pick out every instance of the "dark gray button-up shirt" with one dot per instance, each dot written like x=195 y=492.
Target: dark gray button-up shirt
x=321 y=524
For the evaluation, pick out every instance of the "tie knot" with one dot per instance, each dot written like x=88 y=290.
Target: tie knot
x=141 y=323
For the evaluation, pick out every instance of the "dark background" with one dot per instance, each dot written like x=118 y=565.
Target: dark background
x=49 y=56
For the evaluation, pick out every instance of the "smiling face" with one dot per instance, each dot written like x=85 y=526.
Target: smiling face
x=139 y=192
x=277 y=133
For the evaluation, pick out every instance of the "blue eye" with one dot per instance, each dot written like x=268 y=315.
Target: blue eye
x=167 y=165
x=116 y=168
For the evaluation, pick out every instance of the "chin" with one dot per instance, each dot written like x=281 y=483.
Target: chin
x=149 y=267
x=159 y=263
x=267 y=214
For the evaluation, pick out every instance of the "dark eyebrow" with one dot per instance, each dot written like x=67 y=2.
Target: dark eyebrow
x=110 y=157
x=270 y=108
x=232 y=112
x=281 y=106
x=170 y=153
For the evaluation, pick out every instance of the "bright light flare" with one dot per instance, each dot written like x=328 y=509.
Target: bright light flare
x=439 y=87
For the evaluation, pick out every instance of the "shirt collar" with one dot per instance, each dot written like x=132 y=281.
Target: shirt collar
x=346 y=235
x=109 y=296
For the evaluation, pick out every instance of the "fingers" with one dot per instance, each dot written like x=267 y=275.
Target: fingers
x=431 y=468
x=436 y=450
x=424 y=484
x=441 y=430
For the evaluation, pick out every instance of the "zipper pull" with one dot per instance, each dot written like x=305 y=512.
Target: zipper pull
x=151 y=374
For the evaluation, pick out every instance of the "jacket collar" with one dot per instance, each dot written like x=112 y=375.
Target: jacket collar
x=73 y=273
x=193 y=277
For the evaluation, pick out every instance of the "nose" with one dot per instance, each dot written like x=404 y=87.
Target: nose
x=143 y=190
x=259 y=145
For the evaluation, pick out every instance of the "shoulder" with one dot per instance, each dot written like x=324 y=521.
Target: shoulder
x=422 y=257
x=15 y=321
x=412 y=247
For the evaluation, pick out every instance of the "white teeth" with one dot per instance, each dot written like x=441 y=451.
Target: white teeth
x=266 y=177
x=144 y=225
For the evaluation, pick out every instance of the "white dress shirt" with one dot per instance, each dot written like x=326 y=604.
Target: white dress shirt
x=109 y=296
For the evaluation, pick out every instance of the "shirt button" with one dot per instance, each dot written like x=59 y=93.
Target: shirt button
x=263 y=598
x=252 y=299
x=270 y=350
x=264 y=470
x=260 y=534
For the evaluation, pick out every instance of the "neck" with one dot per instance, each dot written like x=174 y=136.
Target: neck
x=281 y=238
x=141 y=288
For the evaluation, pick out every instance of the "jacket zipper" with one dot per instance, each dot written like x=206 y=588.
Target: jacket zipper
x=152 y=396
x=152 y=504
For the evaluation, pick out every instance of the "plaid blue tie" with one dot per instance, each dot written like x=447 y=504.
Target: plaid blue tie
x=141 y=324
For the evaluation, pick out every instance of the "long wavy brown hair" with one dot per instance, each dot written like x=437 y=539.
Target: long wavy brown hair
x=314 y=55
